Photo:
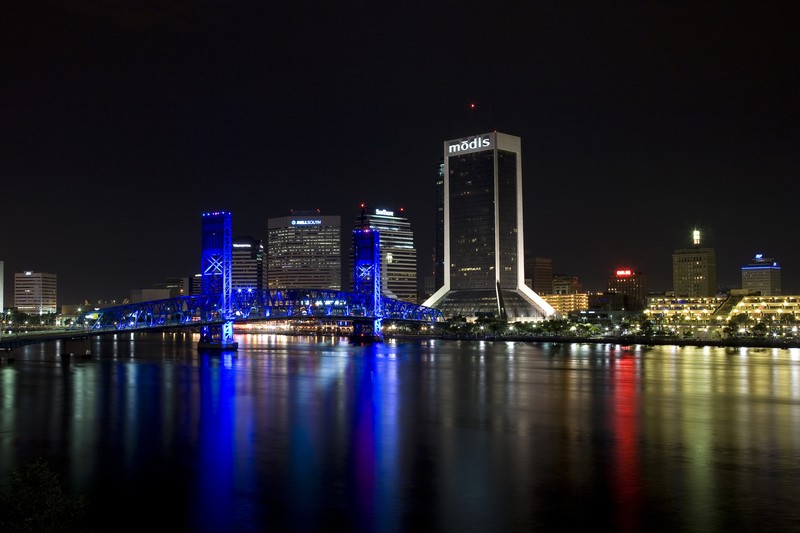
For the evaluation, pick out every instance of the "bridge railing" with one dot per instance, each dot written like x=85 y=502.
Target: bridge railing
x=253 y=304
x=178 y=311
x=185 y=311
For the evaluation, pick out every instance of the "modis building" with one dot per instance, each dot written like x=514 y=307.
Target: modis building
x=482 y=232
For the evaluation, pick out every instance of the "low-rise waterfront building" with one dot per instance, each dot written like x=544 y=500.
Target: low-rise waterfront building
x=566 y=303
x=670 y=309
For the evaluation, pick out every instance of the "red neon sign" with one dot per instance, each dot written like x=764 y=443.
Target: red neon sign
x=623 y=273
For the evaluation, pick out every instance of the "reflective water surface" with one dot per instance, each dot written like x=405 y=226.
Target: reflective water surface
x=307 y=434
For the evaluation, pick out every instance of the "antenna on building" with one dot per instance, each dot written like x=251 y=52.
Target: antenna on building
x=364 y=224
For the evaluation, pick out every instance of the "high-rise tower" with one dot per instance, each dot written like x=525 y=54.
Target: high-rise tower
x=483 y=240
x=632 y=285
x=248 y=265
x=35 y=292
x=762 y=275
x=398 y=254
x=694 y=270
x=304 y=250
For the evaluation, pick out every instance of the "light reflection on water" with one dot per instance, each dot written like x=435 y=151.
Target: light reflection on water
x=308 y=434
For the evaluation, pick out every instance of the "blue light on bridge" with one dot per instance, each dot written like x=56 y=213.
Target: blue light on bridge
x=216 y=309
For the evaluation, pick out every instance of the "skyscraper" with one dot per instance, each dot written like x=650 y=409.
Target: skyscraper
x=248 y=269
x=35 y=292
x=632 y=285
x=304 y=250
x=540 y=272
x=438 y=247
x=694 y=270
x=398 y=254
x=483 y=240
x=762 y=275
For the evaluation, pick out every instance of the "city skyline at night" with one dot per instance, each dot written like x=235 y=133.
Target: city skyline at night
x=121 y=125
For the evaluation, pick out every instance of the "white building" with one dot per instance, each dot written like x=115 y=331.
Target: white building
x=484 y=267
x=35 y=292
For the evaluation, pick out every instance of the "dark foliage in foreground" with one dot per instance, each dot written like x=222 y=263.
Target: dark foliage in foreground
x=34 y=501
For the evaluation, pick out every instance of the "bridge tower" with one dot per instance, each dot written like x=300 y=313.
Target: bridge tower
x=367 y=283
x=216 y=280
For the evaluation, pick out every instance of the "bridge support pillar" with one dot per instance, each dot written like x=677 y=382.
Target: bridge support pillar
x=77 y=347
x=367 y=330
x=367 y=284
x=216 y=281
x=217 y=338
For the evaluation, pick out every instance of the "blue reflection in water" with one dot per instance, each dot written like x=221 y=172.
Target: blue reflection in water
x=452 y=436
x=365 y=435
x=215 y=469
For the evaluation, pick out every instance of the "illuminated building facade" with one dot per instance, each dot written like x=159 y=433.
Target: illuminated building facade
x=718 y=310
x=197 y=284
x=398 y=254
x=684 y=310
x=762 y=275
x=304 y=250
x=248 y=270
x=35 y=292
x=694 y=270
x=771 y=308
x=568 y=302
x=632 y=285
x=483 y=240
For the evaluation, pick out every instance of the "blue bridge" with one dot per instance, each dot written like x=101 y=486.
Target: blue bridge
x=218 y=307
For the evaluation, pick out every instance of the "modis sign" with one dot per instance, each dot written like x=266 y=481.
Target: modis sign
x=470 y=144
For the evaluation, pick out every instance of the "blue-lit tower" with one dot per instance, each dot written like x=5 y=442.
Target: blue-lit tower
x=215 y=269
x=367 y=282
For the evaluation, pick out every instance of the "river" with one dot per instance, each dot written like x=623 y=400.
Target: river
x=315 y=434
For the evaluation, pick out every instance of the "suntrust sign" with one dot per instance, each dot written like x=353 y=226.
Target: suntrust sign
x=470 y=144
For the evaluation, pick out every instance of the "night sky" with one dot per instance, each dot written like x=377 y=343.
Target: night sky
x=122 y=122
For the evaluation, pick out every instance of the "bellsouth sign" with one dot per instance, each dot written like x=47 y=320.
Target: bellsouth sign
x=479 y=142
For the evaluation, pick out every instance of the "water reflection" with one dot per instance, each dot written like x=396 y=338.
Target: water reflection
x=303 y=434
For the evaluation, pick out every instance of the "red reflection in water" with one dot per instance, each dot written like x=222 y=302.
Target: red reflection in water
x=627 y=482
